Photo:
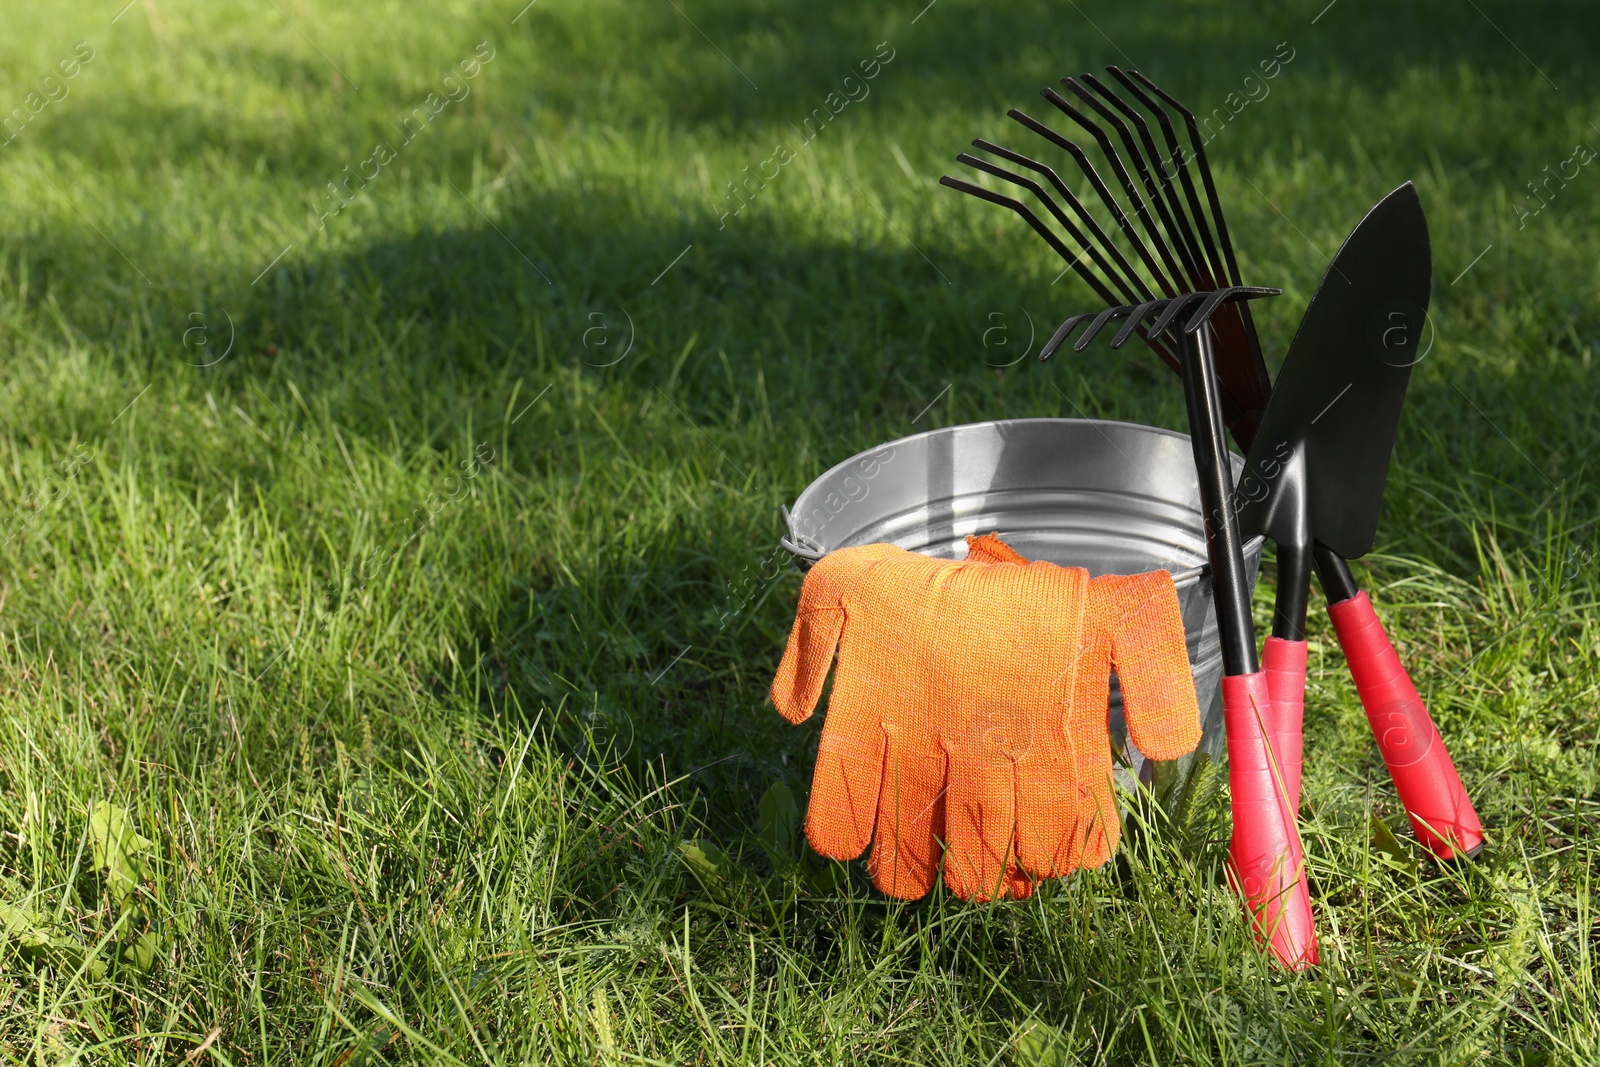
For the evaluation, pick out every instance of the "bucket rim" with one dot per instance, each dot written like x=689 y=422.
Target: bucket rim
x=796 y=544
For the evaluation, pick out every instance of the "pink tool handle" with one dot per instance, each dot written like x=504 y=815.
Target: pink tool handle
x=1423 y=772
x=1284 y=664
x=1266 y=865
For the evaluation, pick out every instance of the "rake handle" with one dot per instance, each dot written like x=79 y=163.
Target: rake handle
x=1424 y=775
x=1266 y=861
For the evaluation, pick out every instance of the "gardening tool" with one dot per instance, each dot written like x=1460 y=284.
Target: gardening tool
x=1315 y=476
x=1400 y=723
x=1177 y=249
x=1266 y=855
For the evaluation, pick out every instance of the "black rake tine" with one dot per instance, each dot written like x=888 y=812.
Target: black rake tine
x=1039 y=227
x=1232 y=294
x=1151 y=188
x=1062 y=333
x=1134 y=321
x=1173 y=310
x=1180 y=164
x=1181 y=221
x=1038 y=190
x=1098 y=324
x=1080 y=157
x=1198 y=151
x=1110 y=152
x=1101 y=241
x=1060 y=249
x=1065 y=330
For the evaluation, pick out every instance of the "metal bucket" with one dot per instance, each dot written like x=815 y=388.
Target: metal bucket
x=1113 y=497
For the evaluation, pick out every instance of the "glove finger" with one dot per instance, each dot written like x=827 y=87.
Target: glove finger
x=1150 y=653
x=806 y=659
x=1099 y=826
x=990 y=549
x=1018 y=886
x=980 y=823
x=905 y=850
x=845 y=785
x=1048 y=845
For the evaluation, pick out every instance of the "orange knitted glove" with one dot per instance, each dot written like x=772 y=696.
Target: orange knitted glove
x=953 y=729
x=1133 y=623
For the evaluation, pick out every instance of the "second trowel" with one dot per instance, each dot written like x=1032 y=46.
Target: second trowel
x=1314 y=481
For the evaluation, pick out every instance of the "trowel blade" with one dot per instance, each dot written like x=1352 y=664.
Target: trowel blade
x=1318 y=463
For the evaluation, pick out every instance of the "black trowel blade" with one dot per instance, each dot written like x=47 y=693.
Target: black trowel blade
x=1322 y=452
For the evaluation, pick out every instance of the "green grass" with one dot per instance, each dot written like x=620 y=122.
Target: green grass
x=417 y=636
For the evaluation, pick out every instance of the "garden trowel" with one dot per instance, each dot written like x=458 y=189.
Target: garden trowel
x=1313 y=483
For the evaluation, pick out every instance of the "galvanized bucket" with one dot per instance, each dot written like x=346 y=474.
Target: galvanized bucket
x=1113 y=497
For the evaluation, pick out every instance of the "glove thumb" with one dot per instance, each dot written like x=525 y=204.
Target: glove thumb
x=815 y=635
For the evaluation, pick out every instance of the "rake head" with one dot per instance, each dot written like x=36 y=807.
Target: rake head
x=1155 y=239
x=1166 y=311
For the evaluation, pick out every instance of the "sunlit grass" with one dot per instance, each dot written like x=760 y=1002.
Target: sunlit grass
x=401 y=581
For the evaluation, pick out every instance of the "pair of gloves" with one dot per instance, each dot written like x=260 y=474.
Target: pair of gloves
x=966 y=728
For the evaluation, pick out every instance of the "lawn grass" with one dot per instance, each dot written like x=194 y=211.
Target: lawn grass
x=387 y=605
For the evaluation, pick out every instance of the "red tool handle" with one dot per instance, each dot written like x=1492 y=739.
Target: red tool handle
x=1267 y=864
x=1423 y=772
x=1284 y=664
